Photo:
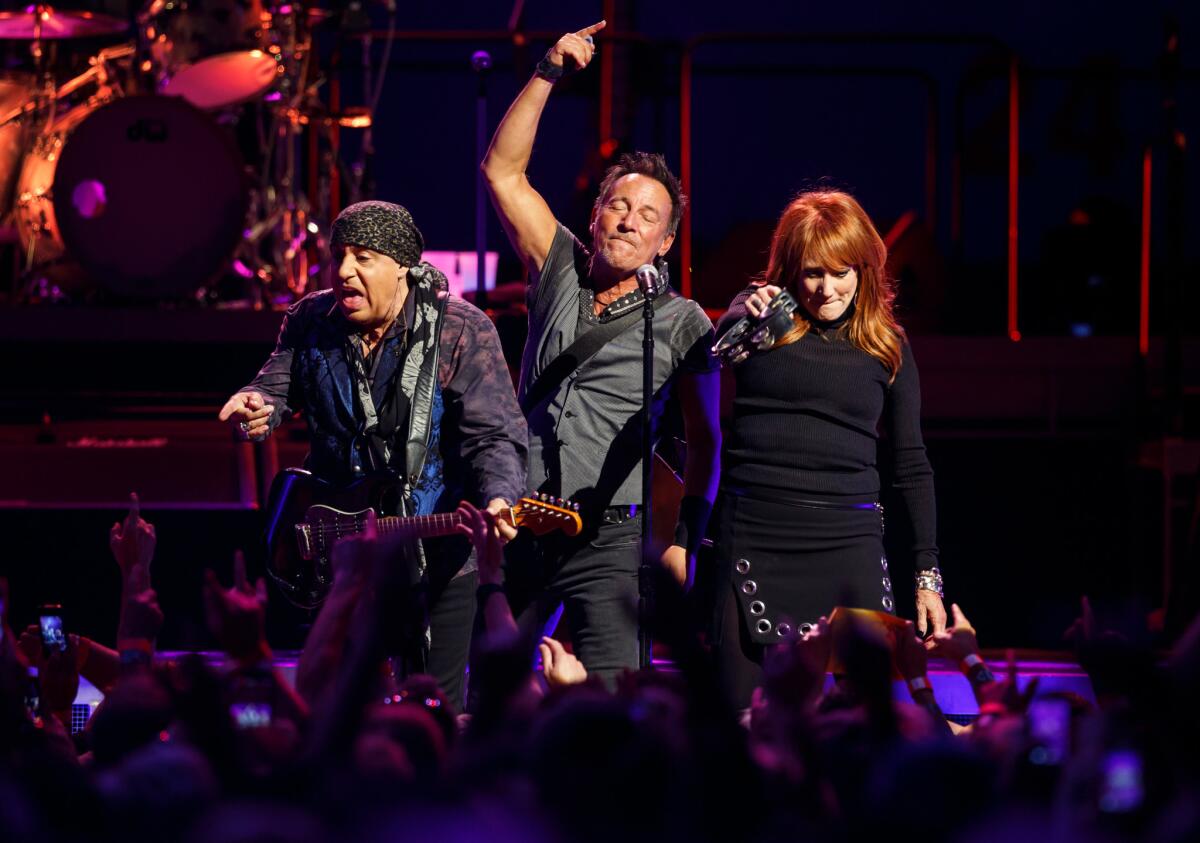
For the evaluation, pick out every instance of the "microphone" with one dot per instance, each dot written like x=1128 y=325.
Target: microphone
x=481 y=61
x=650 y=280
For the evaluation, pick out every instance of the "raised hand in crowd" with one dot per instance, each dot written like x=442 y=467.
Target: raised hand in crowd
x=141 y=617
x=58 y=679
x=959 y=645
x=480 y=527
x=250 y=414
x=237 y=616
x=352 y=560
x=1082 y=630
x=560 y=667
x=912 y=660
x=956 y=642
x=1007 y=694
x=132 y=540
x=794 y=673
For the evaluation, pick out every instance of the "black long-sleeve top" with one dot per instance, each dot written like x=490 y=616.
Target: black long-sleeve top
x=807 y=419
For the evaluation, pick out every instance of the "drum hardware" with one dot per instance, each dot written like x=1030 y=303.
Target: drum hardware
x=105 y=195
x=352 y=117
x=41 y=22
x=237 y=68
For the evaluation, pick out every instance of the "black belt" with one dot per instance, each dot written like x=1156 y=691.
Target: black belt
x=792 y=500
x=619 y=514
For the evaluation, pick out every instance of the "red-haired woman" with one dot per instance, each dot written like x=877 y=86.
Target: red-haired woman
x=799 y=524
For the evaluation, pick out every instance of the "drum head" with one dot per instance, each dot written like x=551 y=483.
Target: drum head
x=150 y=196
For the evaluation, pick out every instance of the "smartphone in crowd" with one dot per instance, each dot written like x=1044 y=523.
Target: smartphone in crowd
x=1049 y=730
x=33 y=696
x=251 y=700
x=54 y=635
x=1121 y=785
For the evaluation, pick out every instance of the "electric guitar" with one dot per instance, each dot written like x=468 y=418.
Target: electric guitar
x=306 y=516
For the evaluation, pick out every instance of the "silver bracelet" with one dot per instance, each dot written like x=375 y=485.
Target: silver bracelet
x=930 y=580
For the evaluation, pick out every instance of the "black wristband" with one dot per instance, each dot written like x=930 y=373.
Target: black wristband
x=486 y=590
x=548 y=70
x=693 y=521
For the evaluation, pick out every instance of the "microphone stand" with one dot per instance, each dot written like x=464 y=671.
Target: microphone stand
x=649 y=280
x=481 y=63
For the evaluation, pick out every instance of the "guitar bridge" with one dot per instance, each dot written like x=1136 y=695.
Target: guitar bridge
x=304 y=541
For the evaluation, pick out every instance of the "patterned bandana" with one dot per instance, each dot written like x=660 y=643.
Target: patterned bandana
x=382 y=227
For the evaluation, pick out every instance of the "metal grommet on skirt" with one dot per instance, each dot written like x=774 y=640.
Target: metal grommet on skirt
x=764 y=625
x=749 y=587
x=887 y=603
x=783 y=630
x=742 y=566
x=887 y=584
x=883 y=562
x=758 y=607
x=805 y=628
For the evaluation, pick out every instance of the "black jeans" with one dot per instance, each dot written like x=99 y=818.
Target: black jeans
x=594 y=578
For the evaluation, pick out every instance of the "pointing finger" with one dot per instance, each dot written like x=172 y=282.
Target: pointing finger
x=239 y=571
x=592 y=30
x=231 y=406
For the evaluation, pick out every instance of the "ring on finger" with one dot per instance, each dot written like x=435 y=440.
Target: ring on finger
x=245 y=426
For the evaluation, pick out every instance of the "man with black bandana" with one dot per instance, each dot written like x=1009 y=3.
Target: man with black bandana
x=351 y=359
x=585 y=417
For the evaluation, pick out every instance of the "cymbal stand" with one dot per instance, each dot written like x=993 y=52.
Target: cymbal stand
x=281 y=215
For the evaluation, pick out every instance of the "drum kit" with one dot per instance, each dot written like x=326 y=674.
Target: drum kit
x=169 y=166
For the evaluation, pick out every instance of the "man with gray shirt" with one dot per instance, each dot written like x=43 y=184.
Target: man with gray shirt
x=585 y=418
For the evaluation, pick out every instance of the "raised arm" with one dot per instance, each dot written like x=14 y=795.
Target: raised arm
x=526 y=217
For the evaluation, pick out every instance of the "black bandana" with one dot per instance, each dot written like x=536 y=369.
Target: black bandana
x=382 y=227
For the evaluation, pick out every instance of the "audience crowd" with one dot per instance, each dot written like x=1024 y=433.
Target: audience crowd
x=183 y=750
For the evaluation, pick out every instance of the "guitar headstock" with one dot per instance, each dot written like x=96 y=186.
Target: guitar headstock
x=544 y=514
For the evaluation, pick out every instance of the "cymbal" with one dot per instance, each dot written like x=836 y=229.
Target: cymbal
x=56 y=25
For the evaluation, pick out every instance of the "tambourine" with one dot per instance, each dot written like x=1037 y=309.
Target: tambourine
x=751 y=334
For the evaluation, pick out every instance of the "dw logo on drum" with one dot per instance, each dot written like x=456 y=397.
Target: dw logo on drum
x=152 y=131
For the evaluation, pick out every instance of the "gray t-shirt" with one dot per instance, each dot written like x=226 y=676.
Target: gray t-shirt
x=585 y=438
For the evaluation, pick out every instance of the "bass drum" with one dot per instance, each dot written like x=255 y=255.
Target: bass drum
x=15 y=91
x=146 y=194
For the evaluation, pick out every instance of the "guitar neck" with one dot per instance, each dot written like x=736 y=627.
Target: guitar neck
x=419 y=526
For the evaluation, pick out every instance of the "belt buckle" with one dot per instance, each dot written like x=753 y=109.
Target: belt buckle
x=618 y=514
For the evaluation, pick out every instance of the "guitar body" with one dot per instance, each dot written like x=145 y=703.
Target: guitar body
x=306 y=516
x=298 y=556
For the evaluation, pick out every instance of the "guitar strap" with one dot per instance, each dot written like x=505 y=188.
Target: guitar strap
x=582 y=349
x=419 y=376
